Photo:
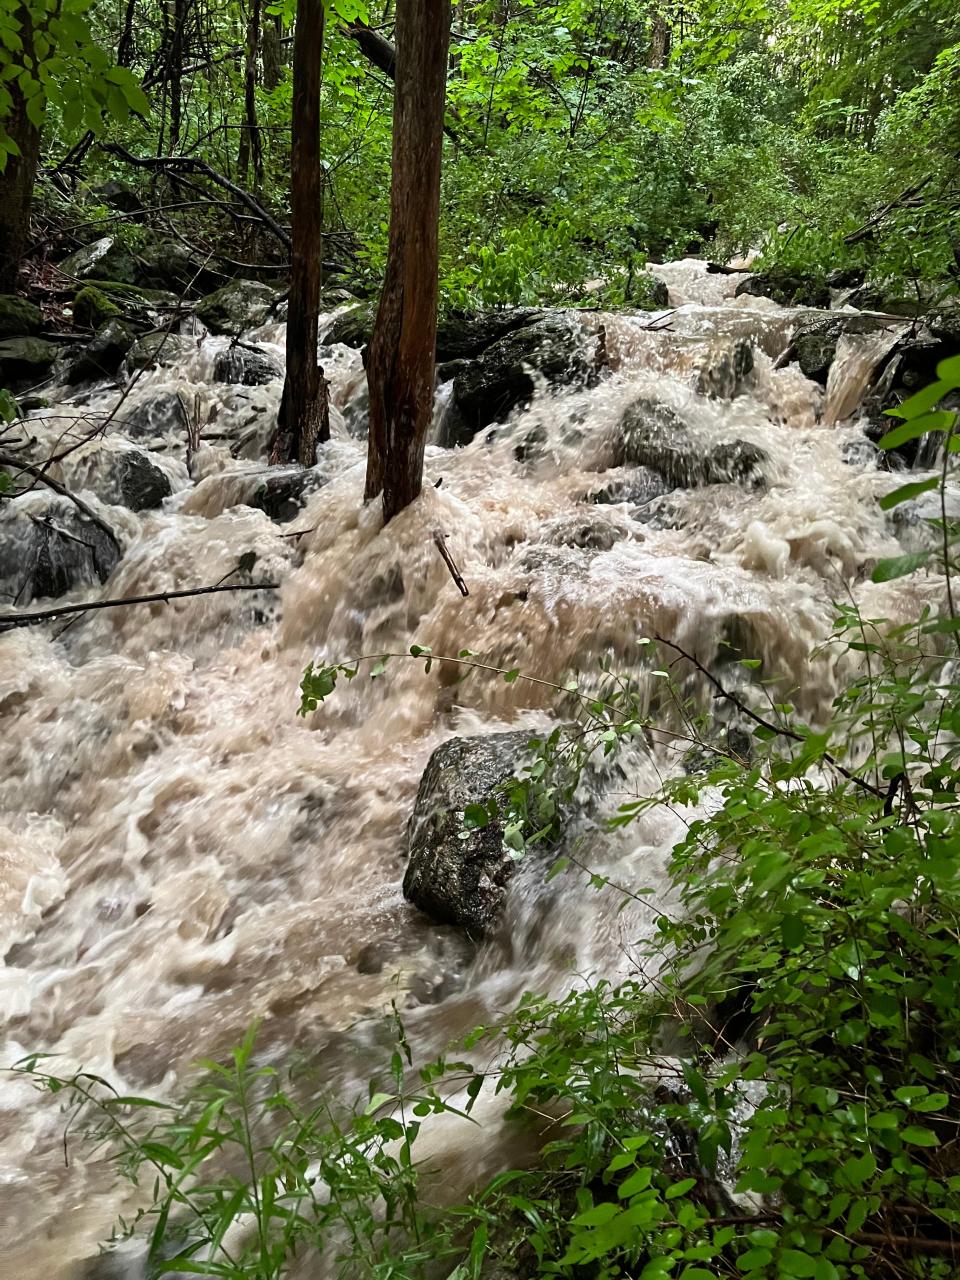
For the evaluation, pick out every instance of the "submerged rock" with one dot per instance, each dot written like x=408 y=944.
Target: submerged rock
x=461 y=335
x=655 y=436
x=456 y=880
x=240 y=305
x=49 y=547
x=245 y=365
x=164 y=414
x=557 y=351
x=727 y=375
x=18 y=316
x=638 y=488
x=284 y=492
x=105 y=259
x=814 y=342
x=122 y=475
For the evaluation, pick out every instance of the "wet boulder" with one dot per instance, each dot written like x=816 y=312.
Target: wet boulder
x=637 y=487
x=557 y=351
x=169 y=264
x=104 y=259
x=787 y=289
x=654 y=435
x=943 y=323
x=23 y=359
x=352 y=327
x=239 y=305
x=245 y=365
x=727 y=374
x=164 y=414
x=120 y=474
x=157 y=350
x=452 y=879
x=463 y=335
x=18 y=317
x=283 y=492
x=103 y=355
x=49 y=547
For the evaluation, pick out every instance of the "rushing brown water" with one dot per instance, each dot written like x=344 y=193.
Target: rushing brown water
x=181 y=854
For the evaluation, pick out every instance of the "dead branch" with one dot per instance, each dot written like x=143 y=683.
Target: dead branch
x=39 y=474
x=9 y=621
x=448 y=560
x=190 y=164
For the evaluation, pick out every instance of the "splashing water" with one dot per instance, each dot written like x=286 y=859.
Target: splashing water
x=180 y=854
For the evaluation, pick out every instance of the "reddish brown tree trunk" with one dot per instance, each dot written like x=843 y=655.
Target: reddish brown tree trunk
x=304 y=417
x=400 y=365
x=19 y=176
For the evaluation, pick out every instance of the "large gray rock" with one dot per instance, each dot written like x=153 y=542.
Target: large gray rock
x=456 y=880
x=559 y=350
x=23 y=358
x=103 y=355
x=728 y=371
x=240 y=305
x=105 y=259
x=162 y=415
x=814 y=343
x=155 y=351
x=245 y=365
x=460 y=334
x=49 y=547
x=18 y=317
x=168 y=264
x=125 y=477
x=654 y=435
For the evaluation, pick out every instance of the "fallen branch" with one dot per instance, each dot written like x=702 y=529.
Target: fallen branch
x=780 y=730
x=9 y=621
x=864 y=232
x=190 y=164
x=448 y=560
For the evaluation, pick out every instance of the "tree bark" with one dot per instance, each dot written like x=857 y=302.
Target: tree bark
x=19 y=176
x=250 y=141
x=304 y=417
x=400 y=366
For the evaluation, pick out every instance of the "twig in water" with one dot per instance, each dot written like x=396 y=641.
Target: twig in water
x=8 y=621
x=448 y=560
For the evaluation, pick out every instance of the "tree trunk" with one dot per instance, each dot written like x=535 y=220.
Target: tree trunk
x=178 y=19
x=304 y=417
x=17 y=179
x=250 y=140
x=400 y=366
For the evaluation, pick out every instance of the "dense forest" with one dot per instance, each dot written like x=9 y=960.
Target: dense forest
x=557 y=403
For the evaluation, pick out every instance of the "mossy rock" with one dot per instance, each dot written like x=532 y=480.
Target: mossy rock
x=92 y=308
x=240 y=305
x=22 y=358
x=18 y=317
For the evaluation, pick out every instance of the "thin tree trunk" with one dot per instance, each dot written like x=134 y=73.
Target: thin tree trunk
x=400 y=367
x=250 y=140
x=19 y=176
x=304 y=417
x=178 y=15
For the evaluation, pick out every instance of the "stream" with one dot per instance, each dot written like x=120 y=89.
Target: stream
x=181 y=854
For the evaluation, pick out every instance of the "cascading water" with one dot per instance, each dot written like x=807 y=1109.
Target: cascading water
x=180 y=854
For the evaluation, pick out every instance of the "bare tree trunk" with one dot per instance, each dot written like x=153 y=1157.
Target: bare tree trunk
x=400 y=367
x=178 y=19
x=304 y=417
x=271 y=55
x=17 y=180
x=250 y=140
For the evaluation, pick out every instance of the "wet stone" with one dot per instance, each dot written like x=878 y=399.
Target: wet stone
x=246 y=366
x=49 y=547
x=638 y=487
x=155 y=351
x=655 y=436
x=22 y=358
x=162 y=415
x=102 y=355
x=728 y=373
x=451 y=879
x=283 y=493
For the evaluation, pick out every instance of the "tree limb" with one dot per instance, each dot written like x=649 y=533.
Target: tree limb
x=9 y=621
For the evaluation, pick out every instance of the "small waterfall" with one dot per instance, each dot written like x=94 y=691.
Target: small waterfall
x=858 y=356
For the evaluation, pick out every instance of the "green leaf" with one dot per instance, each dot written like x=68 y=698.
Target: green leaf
x=915 y=427
x=794 y=1263
x=918 y=1137
x=898 y=566
x=907 y=491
